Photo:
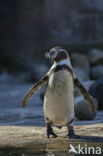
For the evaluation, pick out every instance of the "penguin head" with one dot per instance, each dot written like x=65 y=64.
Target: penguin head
x=57 y=54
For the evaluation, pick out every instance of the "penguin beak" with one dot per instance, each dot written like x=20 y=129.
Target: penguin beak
x=47 y=55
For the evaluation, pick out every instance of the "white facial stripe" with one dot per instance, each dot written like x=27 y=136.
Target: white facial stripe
x=62 y=62
x=60 y=49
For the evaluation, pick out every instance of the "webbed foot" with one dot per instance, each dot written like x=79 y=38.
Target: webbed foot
x=71 y=134
x=50 y=133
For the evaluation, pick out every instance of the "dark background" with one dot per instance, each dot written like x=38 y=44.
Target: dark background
x=28 y=28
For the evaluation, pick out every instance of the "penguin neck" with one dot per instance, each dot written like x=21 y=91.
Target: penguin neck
x=63 y=62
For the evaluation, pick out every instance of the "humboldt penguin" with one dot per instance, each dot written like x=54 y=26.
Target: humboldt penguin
x=58 y=104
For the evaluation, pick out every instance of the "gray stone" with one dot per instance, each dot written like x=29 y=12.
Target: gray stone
x=80 y=61
x=81 y=74
x=82 y=111
x=97 y=71
x=95 y=56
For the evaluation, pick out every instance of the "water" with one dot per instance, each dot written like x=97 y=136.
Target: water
x=51 y=152
x=12 y=113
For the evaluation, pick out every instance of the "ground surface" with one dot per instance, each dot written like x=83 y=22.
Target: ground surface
x=32 y=139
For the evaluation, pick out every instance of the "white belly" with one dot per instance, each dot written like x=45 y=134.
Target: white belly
x=59 y=98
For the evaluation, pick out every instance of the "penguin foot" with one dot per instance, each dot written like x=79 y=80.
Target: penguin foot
x=71 y=134
x=50 y=133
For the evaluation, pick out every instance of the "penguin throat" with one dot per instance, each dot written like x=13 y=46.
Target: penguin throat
x=63 y=62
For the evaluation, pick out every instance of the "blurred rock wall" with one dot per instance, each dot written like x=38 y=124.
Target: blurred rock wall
x=29 y=27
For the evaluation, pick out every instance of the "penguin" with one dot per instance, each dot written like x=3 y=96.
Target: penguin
x=60 y=81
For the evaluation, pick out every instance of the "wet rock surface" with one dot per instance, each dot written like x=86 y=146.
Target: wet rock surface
x=26 y=139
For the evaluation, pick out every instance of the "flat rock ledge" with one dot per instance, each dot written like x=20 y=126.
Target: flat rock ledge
x=27 y=139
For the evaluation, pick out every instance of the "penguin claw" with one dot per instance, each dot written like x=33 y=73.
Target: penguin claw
x=52 y=135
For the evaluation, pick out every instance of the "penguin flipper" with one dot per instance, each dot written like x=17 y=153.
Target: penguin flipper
x=34 y=89
x=85 y=94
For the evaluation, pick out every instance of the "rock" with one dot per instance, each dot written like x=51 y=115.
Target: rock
x=80 y=61
x=95 y=56
x=81 y=74
x=97 y=71
x=82 y=111
x=96 y=90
